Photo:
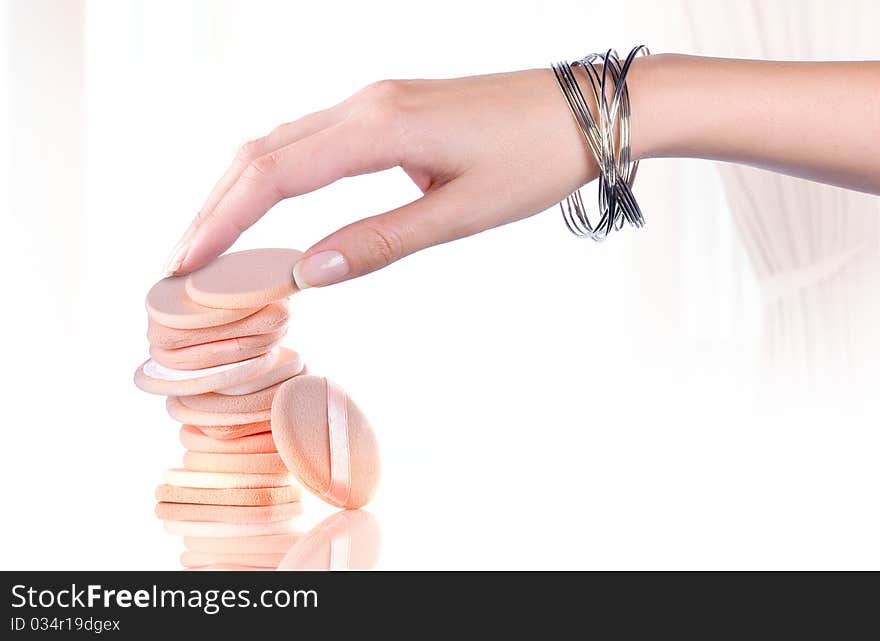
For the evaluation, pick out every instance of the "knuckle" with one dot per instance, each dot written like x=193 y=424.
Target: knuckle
x=382 y=91
x=261 y=174
x=250 y=150
x=384 y=244
x=383 y=102
x=262 y=168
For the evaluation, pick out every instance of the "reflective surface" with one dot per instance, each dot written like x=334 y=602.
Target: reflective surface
x=346 y=540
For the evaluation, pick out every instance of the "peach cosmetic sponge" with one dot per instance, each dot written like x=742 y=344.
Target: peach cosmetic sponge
x=288 y=365
x=168 y=304
x=270 y=318
x=228 y=513
x=220 y=480
x=231 y=350
x=157 y=379
x=245 y=279
x=184 y=414
x=195 y=441
x=231 y=432
x=228 y=496
x=214 y=529
x=325 y=441
x=249 y=463
x=213 y=402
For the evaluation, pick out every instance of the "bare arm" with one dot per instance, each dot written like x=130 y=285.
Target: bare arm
x=816 y=120
x=490 y=150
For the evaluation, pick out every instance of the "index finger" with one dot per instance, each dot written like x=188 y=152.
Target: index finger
x=348 y=148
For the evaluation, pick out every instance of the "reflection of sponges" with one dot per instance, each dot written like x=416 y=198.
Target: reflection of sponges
x=237 y=560
x=206 y=528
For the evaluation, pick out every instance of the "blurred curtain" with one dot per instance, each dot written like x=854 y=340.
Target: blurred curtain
x=814 y=248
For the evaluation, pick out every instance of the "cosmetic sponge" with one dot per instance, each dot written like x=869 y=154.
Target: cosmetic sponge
x=193 y=439
x=245 y=279
x=221 y=462
x=168 y=304
x=228 y=496
x=288 y=364
x=213 y=402
x=231 y=350
x=154 y=378
x=184 y=414
x=228 y=513
x=325 y=441
x=270 y=318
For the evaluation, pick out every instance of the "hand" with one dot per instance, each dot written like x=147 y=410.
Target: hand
x=484 y=150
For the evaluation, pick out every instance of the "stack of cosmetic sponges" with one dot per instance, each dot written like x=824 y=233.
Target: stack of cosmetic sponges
x=250 y=414
x=215 y=353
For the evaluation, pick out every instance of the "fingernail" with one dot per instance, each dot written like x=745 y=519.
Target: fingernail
x=176 y=258
x=323 y=268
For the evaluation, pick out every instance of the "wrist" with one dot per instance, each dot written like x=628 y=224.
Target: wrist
x=652 y=85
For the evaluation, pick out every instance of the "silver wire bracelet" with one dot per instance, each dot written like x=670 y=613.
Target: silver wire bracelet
x=608 y=140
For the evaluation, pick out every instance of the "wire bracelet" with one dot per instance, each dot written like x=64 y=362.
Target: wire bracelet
x=608 y=137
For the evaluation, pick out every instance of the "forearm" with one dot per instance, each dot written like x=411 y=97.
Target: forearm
x=816 y=120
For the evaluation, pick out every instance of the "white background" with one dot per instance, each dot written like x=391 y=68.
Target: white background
x=540 y=402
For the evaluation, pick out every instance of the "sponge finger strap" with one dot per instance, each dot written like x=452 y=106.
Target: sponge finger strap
x=340 y=455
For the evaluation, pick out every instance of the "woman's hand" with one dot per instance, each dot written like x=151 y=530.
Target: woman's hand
x=488 y=150
x=484 y=150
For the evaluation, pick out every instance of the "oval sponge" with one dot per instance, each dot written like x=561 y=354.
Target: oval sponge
x=326 y=441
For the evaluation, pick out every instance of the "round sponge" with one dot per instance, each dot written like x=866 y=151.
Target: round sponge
x=269 y=319
x=325 y=441
x=168 y=304
x=223 y=480
x=213 y=402
x=228 y=496
x=232 y=432
x=184 y=414
x=204 y=355
x=265 y=463
x=193 y=439
x=244 y=279
x=228 y=513
x=289 y=364
x=156 y=379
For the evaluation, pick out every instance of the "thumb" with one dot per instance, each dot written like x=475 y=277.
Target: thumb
x=442 y=215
